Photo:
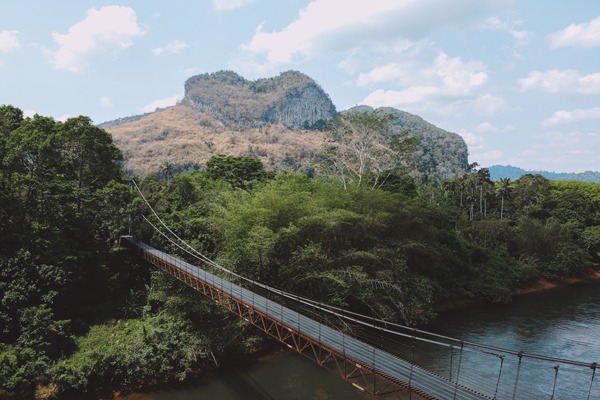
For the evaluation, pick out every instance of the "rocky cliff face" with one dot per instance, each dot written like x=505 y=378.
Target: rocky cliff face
x=291 y=99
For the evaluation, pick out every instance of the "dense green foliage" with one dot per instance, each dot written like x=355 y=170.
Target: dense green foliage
x=392 y=251
x=79 y=314
x=76 y=314
x=237 y=171
x=508 y=171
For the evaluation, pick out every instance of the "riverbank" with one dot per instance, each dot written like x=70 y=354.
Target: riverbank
x=204 y=371
x=208 y=370
x=537 y=285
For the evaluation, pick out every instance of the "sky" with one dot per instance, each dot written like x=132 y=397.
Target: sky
x=518 y=80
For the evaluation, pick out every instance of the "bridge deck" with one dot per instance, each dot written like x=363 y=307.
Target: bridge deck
x=352 y=348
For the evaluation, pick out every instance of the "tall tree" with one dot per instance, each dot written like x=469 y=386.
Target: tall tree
x=363 y=151
x=237 y=171
x=167 y=168
x=503 y=187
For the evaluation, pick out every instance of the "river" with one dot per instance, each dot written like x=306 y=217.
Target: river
x=562 y=323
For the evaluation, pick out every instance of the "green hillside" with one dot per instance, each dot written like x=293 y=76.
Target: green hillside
x=508 y=171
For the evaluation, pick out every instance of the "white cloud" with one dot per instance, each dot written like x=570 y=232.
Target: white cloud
x=105 y=102
x=518 y=56
x=162 y=103
x=442 y=75
x=558 y=151
x=327 y=27
x=565 y=117
x=433 y=82
x=489 y=104
x=486 y=158
x=104 y=33
x=173 y=47
x=423 y=99
x=191 y=71
x=485 y=127
x=230 y=4
x=63 y=118
x=8 y=41
x=475 y=143
x=380 y=74
x=555 y=81
x=584 y=35
x=521 y=36
x=478 y=149
x=28 y=113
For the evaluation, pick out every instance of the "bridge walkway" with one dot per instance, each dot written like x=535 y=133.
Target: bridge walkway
x=349 y=353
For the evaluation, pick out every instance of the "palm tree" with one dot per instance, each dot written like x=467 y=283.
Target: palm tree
x=167 y=168
x=503 y=188
x=471 y=199
x=461 y=186
x=447 y=186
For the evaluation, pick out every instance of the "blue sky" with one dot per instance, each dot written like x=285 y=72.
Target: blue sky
x=519 y=80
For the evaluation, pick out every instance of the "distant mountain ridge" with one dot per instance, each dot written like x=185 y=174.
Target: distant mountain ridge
x=508 y=171
x=124 y=120
x=278 y=120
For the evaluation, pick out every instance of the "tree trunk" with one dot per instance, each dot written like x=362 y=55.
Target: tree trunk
x=502 y=208
x=480 y=197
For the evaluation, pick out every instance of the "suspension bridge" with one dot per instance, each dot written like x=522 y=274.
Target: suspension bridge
x=383 y=359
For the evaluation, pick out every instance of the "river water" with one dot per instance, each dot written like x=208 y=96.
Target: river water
x=561 y=323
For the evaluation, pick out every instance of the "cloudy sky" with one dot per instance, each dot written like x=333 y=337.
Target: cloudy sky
x=519 y=80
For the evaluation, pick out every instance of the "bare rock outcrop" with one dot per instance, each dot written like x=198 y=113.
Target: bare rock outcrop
x=291 y=99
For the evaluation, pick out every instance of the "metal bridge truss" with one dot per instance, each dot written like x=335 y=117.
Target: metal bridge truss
x=364 y=377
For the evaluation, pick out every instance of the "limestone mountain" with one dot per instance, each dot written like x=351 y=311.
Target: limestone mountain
x=279 y=120
x=291 y=99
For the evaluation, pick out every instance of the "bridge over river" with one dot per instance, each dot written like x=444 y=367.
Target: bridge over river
x=376 y=356
x=366 y=366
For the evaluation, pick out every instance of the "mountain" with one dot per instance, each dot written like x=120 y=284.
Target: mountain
x=225 y=113
x=291 y=99
x=508 y=171
x=278 y=120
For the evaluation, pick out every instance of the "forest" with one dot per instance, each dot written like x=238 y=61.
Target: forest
x=501 y=171
x=81 y=314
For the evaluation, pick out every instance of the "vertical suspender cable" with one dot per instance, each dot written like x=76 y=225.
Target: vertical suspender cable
x=458 y=372
x=412 y=363
x=499 y=375
x=518 y=371
x=593 y=367
x=555 y=378
x=451 y=356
